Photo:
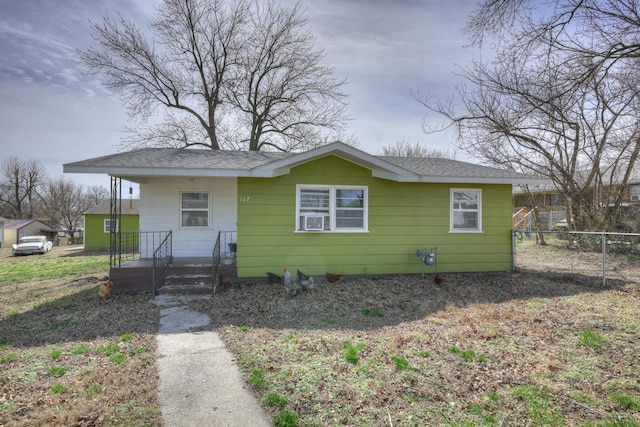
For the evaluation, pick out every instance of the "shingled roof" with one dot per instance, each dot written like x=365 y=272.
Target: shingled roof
x=127 y=206
x=223 y=163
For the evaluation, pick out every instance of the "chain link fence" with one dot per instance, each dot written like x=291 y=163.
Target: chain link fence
x=594 y=257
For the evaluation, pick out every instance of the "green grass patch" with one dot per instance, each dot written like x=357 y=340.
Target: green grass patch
x=468 y=354
x=351 y=354
x=592 y=339
x=57 y=371
x=626 y=401
x=58 y=388
x=109 y=349
x=286 y=419
x=118 y=358
x=55 y=354
x=275 y=400
x=80 y=349
x=140 y=350
x=400 y=363
x=256 y=377
x=27 y=269
x=8 y=357
x=126 y=337
x=540 y=408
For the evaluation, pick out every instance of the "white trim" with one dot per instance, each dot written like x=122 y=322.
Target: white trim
x=181 y=210
x=379 y=167
x=452 y=210
x=330 y=212
x=106 y=226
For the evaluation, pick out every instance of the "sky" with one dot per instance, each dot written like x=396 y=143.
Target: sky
x=51 y=110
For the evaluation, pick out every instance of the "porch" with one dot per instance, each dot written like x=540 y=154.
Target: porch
x=183 y=275
x=143 y=261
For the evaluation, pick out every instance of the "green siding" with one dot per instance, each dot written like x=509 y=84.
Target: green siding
x=96 y=238
x=403 y=217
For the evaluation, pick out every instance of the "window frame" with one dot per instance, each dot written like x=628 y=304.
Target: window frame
x=107 y=225
x=453 y=210
x=182 y=210
x=330 y=225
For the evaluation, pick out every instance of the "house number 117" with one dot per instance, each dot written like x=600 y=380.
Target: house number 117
x=244 y=199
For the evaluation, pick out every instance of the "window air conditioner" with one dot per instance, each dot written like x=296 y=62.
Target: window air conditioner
x=314 y=222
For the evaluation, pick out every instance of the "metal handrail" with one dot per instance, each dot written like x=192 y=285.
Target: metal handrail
x=162 y=258
x=215 y=264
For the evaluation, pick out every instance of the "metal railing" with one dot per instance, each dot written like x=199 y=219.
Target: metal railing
x=224 y=252
x=162 y=258
x=132 y=245
x=598 y=255
x=215 y=264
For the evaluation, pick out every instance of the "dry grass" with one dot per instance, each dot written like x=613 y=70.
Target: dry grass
x=66 y=356
x=481 y=349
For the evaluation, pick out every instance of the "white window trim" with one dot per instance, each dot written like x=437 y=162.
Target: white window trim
x=107 y=223
x=332 y=208
x=451 y=210
x=180 y=210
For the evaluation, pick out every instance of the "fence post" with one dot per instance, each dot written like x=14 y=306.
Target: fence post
x=604 y=259
x=513 y=250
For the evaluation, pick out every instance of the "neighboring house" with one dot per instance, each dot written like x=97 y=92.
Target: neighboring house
x=550 y=204
x=97 y=222
x=332 y=209
x=15 y=229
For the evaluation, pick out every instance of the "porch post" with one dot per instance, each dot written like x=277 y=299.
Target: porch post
x=115 y=217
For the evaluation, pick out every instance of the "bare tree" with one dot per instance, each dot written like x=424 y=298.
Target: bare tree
x=96 y=194
x=285 y=94
x=64 y=202
x=558 y=99
x=403 y=148
x=212 y=65
x=20 y=180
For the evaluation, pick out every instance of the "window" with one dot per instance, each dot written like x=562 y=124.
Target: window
x=194 y=209
x=466 y=210
x=556 y=199
x=108 y=224
x=331 y=208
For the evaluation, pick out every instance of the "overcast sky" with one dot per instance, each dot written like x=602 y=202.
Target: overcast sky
x=50 y=110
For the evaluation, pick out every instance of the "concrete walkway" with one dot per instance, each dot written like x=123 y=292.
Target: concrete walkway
x=200 y=384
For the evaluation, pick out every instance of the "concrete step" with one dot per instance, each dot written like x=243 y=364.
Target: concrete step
x=187 y=284
x=179 y=270
x=189 y=279
x=190 y=289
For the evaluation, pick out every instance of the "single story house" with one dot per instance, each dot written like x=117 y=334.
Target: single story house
x=15 y=229
x=334 y=208
x=98 y=222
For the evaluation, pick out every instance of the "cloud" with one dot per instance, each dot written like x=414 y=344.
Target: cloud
x=51 y=110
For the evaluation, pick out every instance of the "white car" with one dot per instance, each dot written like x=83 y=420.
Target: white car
x=32 y=245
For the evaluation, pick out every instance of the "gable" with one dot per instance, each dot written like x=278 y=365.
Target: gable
x=330 y=170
